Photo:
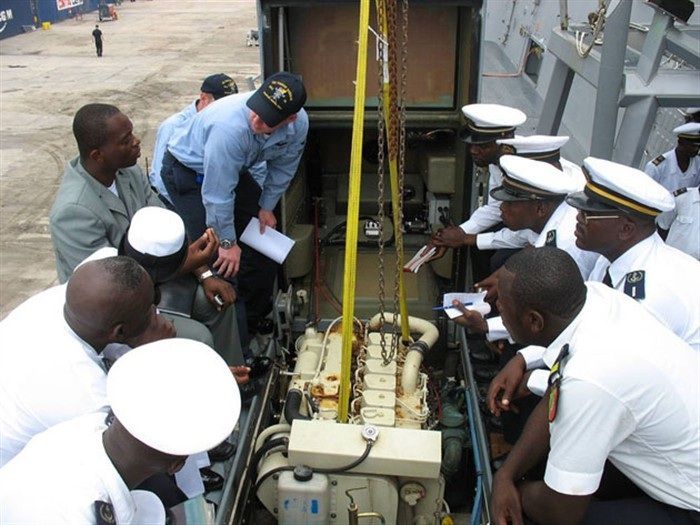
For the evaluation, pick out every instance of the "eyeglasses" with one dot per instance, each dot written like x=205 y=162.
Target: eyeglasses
x=590 y=217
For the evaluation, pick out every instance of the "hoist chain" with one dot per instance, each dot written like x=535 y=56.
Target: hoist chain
x=395 y=51
x=401 y=162
x=381 y=48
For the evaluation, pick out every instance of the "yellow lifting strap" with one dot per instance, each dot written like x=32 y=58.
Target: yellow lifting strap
x=393 y=170
x=353 y=217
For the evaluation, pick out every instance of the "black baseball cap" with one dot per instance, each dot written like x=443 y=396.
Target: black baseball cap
x=219 y=85
x=281 y=95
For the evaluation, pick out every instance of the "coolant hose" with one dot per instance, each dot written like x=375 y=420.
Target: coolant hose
x=414 y=357
x=292 y=405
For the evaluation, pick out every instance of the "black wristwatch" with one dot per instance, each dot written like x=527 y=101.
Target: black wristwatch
x=226 y=243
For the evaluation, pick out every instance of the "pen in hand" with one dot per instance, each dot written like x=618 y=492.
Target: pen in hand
x=451 y=306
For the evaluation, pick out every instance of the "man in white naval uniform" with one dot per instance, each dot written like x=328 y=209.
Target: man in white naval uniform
x=53 y=371
x=680 y=167
x=486 y=123
x=533 y=208
x=623 y=390
x=159 y=398
x=682 y=225
x=616 y=217
x=542 y=148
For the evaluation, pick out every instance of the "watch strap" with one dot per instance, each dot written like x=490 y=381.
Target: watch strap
x=205 y=275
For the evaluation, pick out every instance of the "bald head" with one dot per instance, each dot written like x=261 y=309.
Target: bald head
x=109 y=300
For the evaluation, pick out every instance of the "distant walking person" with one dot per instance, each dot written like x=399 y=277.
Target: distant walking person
x=97 y=35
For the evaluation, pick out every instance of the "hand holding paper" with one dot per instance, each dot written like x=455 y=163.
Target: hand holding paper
x=272 y=243
x=472 y=301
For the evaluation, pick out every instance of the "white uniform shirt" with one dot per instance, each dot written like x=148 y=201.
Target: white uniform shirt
x=47 y=373
x=60 y=475
x=563 y=224
x=671 y=284
x=629 y=393
x=667 y=173
x=674 y=302
x=490 y=213
x=560 y=227
x=683 y=223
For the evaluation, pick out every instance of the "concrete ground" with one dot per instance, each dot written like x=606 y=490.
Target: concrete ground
x=155 y=57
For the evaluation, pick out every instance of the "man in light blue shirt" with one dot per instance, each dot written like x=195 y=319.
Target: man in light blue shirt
x=234 y=162
x=213 y=88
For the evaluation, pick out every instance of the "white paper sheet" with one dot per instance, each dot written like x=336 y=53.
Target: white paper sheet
x=477 y=300
x=188 y=478
x=272 y=243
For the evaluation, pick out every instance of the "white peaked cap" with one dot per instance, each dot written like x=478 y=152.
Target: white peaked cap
x=691 y=131
x=535 y=143
x=627 y=188
x=177 y=396
x=493 y=115
x=535 y=174
x=156 y=231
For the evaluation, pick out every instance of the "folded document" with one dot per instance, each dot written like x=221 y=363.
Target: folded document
x=272 y=243
x=419 y=259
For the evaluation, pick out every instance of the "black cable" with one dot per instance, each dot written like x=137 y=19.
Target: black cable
x=347 y=467
x=318 y=470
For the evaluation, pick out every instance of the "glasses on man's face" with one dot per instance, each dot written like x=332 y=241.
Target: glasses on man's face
x=588 y=216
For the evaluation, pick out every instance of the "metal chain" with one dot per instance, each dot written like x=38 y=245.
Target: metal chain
x=392 y=133
x=401 y=161
x=380 y=176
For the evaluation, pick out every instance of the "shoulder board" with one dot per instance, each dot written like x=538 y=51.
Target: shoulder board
x=658 y=160
x=634 y=284
x=679 y=191
x=104 y=513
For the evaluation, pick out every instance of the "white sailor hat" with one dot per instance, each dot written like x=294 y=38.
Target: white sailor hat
x=537 y=147
x=156 y=240
x=488 y=122
x=613 y=186
x=689 y=132
x=177 y=396
x=690 y=111
x=527 y=179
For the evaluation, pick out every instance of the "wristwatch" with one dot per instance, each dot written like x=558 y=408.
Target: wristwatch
x=226 y=243
x=205 y=275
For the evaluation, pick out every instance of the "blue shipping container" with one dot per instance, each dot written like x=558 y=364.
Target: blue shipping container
x=13 y=15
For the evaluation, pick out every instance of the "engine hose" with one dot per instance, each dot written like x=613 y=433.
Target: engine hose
x=267 y=447
x=269 y=473
x=292 y=405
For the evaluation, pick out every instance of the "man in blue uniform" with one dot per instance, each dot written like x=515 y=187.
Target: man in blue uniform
x=211 y=175
x=213 y=88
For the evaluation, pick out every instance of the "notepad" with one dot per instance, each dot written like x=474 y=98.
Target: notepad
x=272 y=243
x=477 y=300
